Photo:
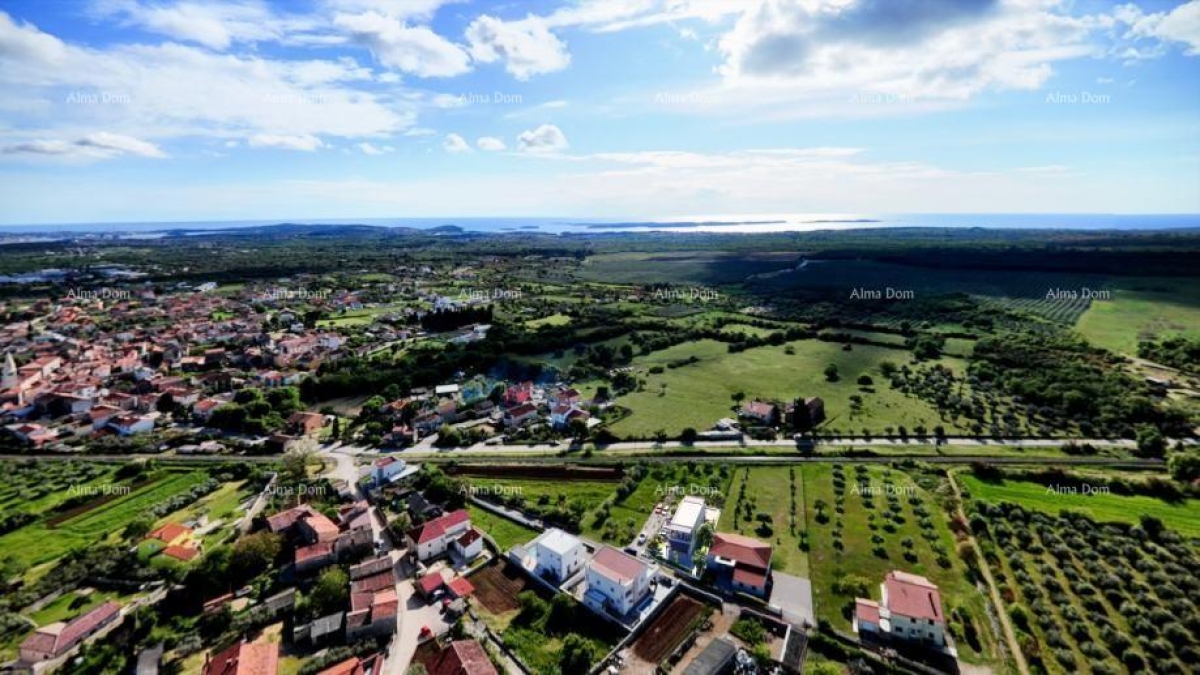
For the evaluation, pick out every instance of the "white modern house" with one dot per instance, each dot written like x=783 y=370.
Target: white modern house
x=559 y=555
x=681 y=531
x=617 y=582
x=388 y=469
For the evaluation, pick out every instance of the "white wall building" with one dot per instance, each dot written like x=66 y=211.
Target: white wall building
x=559 y=555
x=617 y=582
x=681 y=531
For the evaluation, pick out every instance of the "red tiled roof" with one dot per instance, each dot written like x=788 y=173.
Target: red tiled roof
x=469 y=537
x=50 y=642
x=375 y=582
x=464 y=657
x=866 y=610
x=184 y=553
x=245 y=658
x=169 y=532
x=285 y=519
x=317 y=550
x=460 y=587
x=351 y=666
x=430 y=582
x=437 y=527
x=913 y=596
x=615 y=564
x=748 y=577
x=744 y=550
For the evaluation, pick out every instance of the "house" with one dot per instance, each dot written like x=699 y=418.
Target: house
x=461 y=657
x=518 y=415
x=173 y=534
x=181 y=553
x=34 y=434
x=56 y=639
x=459 y=587
x=435 y=537
x=315 y=556
x=372 y=614
x=910 y=611
x=305 y=522
x=371 y=567
x=559 y=555
x=617 y=582
x=741 y=564
x=244 y=658
x=762 y=411
x=430 y=584
x=128 y=425
x=306 y=423
x=681 y=531
x=388 y=469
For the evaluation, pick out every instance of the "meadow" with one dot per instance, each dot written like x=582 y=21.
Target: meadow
x=1183 y=517
x=769 y=490
x=1143 y=312
x=505 y=532
x=699 y=394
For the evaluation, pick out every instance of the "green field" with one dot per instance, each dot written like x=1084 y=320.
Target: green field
x=1184 y=517
x=61 y=608
x=860 y=563
x=626 y=517
x=505 y=532
x=38 y=543
x=1137 y=314
x=769 y=487
x=552 y=320
x=698 y=395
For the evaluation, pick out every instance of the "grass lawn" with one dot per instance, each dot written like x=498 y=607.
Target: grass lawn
x=860 y=563
x=545 y=492
x=1135 y=314
x=628 y=516
x=37 y=543
x=552 y=320
x=700 y=394
x=61 y=609
x=770 y=488
x=506 y=533
x=1183 y=518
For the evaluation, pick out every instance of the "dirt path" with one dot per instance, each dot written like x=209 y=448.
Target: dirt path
x=1010 y=635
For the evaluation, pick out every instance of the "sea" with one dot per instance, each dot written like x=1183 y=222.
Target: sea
x=740 y=223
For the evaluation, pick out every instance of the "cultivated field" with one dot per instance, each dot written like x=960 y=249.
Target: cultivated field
x=497 y=587
x=670 y=628
x=866 y=521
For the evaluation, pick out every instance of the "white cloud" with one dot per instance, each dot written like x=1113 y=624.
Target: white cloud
x=455 y=143
x=302 y=142
x=527 y=47
x=1180 y=25
x=421 y=10
x=490 y=143
x=546 y=138
x=411 y=49
x=371 y=149
x=171 y=90
x=216 y=25
x=99 y=145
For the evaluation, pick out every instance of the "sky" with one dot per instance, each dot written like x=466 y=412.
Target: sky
x=199 y=110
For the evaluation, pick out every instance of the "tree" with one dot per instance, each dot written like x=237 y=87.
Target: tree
x=1150 y=441
x=688 y=436
x=831 y=372
x=252 y=555
x=865 y=380
x=660 y=436
x=801 y=416
x=331 y=592
x=738 y=397
x=165 y=404
x=577 y=654
x=138 y=528
x=295 y=466
x=1185 y=466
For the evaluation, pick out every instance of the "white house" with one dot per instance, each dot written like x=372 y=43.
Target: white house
x=434 y=537
x=469 y=546
x=559 y=555
x=387 y=469
x=617 y=582
x=128 y=425
x=910 y=611
x=681 y=531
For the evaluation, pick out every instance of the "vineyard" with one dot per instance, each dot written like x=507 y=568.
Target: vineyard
x=1065 y=311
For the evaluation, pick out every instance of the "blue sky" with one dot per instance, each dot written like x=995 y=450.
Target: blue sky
x=163 y=110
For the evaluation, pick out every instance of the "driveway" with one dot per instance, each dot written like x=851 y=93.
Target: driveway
x=793 y=595
x=414 y=615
